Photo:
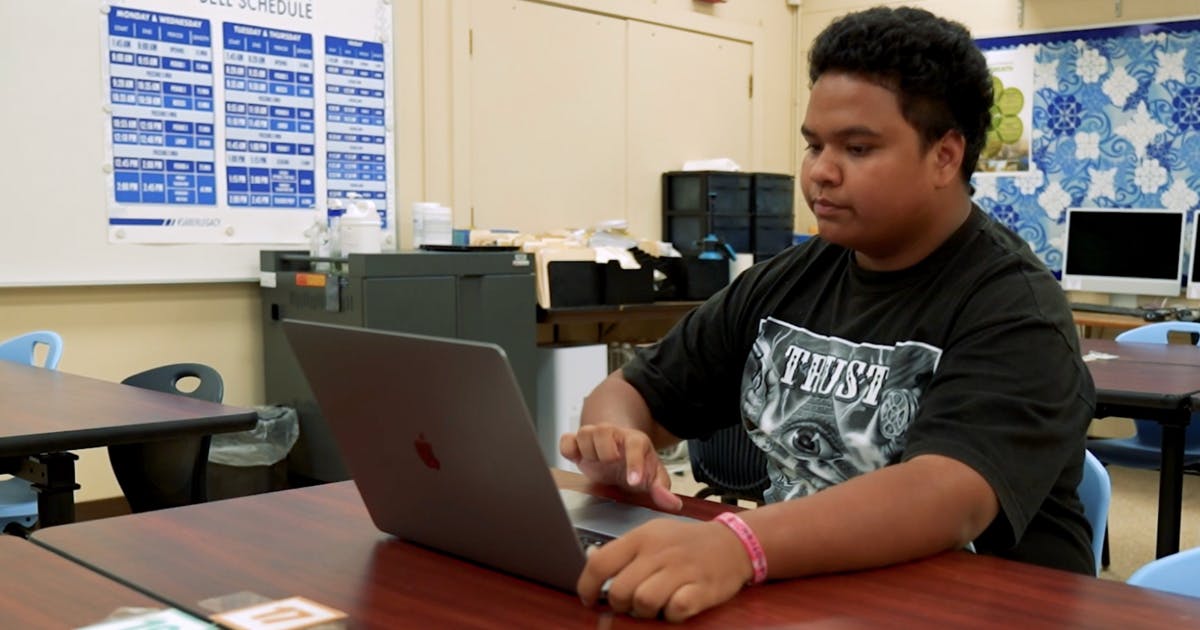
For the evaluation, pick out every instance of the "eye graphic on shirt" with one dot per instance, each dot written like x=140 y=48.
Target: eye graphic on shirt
x=815 y=441
x=824 y=409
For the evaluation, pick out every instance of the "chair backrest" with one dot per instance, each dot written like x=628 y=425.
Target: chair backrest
x=166 y=378
x=1158 y=332
x=23 y=348
x=1177 y=573
x=1095 y=491
x=167 y=473
x=730 y=464
x=1149 y=432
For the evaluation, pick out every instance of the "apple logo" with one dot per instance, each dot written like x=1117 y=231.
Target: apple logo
x=425 y=452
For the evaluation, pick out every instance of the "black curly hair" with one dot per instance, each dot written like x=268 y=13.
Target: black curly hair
x=937 y=72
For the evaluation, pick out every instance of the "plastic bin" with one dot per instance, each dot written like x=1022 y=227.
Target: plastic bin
x=255 y=461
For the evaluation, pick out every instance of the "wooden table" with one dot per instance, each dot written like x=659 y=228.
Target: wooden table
x=1163 y=353
x=40 y=589
x=318 y=542
x=1087 y=321
x=46 y=413
x=607 y=317
x=1156 y=382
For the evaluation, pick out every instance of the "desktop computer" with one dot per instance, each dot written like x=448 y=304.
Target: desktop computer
x=1124 y=251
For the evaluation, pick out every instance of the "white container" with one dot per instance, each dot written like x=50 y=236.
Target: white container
x=420 y=208
x=360 y=229
x=438 y=226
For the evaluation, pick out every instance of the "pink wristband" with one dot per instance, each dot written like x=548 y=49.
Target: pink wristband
x=758 y=559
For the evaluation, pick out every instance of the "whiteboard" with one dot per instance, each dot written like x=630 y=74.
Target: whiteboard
x=53 y=169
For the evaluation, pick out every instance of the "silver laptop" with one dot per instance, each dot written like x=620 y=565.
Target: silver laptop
x=444 y=452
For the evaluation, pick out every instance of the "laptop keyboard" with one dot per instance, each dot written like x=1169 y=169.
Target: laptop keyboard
x=591 y=539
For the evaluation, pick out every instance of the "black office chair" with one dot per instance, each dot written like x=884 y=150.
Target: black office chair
x=167 y=473
x=730 y=465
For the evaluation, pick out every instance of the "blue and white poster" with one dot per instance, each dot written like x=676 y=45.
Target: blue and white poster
x=1115 y=124
x=270 y=136
x=356 y=128
x=235 y=121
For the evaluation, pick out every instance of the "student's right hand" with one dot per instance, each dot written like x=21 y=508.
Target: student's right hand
x=622 y=457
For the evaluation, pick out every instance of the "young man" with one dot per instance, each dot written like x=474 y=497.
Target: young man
x=913 y=374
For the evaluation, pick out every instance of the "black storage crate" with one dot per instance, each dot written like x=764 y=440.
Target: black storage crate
x=774 y=214
x=751 y=212
x=735 y=231
x=699 y=203
x=774 y=194
x=707 y=192
x=772 y=234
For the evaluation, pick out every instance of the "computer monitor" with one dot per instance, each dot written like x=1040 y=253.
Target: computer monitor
x=1193 y=277
x=1124 y=250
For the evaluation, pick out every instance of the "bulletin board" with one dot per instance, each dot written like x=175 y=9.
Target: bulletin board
x=154 y=141
x=1111 y=118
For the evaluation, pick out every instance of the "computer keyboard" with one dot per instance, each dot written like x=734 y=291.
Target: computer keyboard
x=1148 y=314
x=1106 y=308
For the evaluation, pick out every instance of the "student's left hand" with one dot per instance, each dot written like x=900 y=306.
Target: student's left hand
x=667 y=568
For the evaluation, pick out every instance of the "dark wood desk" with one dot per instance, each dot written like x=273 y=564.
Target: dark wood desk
x=608 y=317
x=318 y=543
x=42 y=590
x=1156 y=382
x=46 y=413
x=1168 y=353
x=608 y=314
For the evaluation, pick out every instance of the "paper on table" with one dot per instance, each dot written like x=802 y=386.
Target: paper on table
x=1098 y=356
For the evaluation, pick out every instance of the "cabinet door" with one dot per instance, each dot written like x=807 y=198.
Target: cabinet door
x=501 y=309
x=574 y=116
x=424 y=305
x=689 y=99
x=547 y=116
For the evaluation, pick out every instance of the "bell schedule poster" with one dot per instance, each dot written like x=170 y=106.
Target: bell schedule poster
x=234 y=121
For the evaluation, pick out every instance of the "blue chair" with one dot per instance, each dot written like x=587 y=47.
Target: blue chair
x=23 y=348
x=18 y=499
x=1095 y=491
x=1177 y=573
x=1144 y=449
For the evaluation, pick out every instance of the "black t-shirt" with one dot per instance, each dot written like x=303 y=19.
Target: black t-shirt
x=835 y=371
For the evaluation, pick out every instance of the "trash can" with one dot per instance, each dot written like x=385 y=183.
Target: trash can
x=242 y=463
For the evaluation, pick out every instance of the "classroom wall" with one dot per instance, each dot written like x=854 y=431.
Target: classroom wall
x=113 y=331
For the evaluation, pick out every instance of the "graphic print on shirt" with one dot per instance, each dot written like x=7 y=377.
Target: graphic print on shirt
x=824 y=409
